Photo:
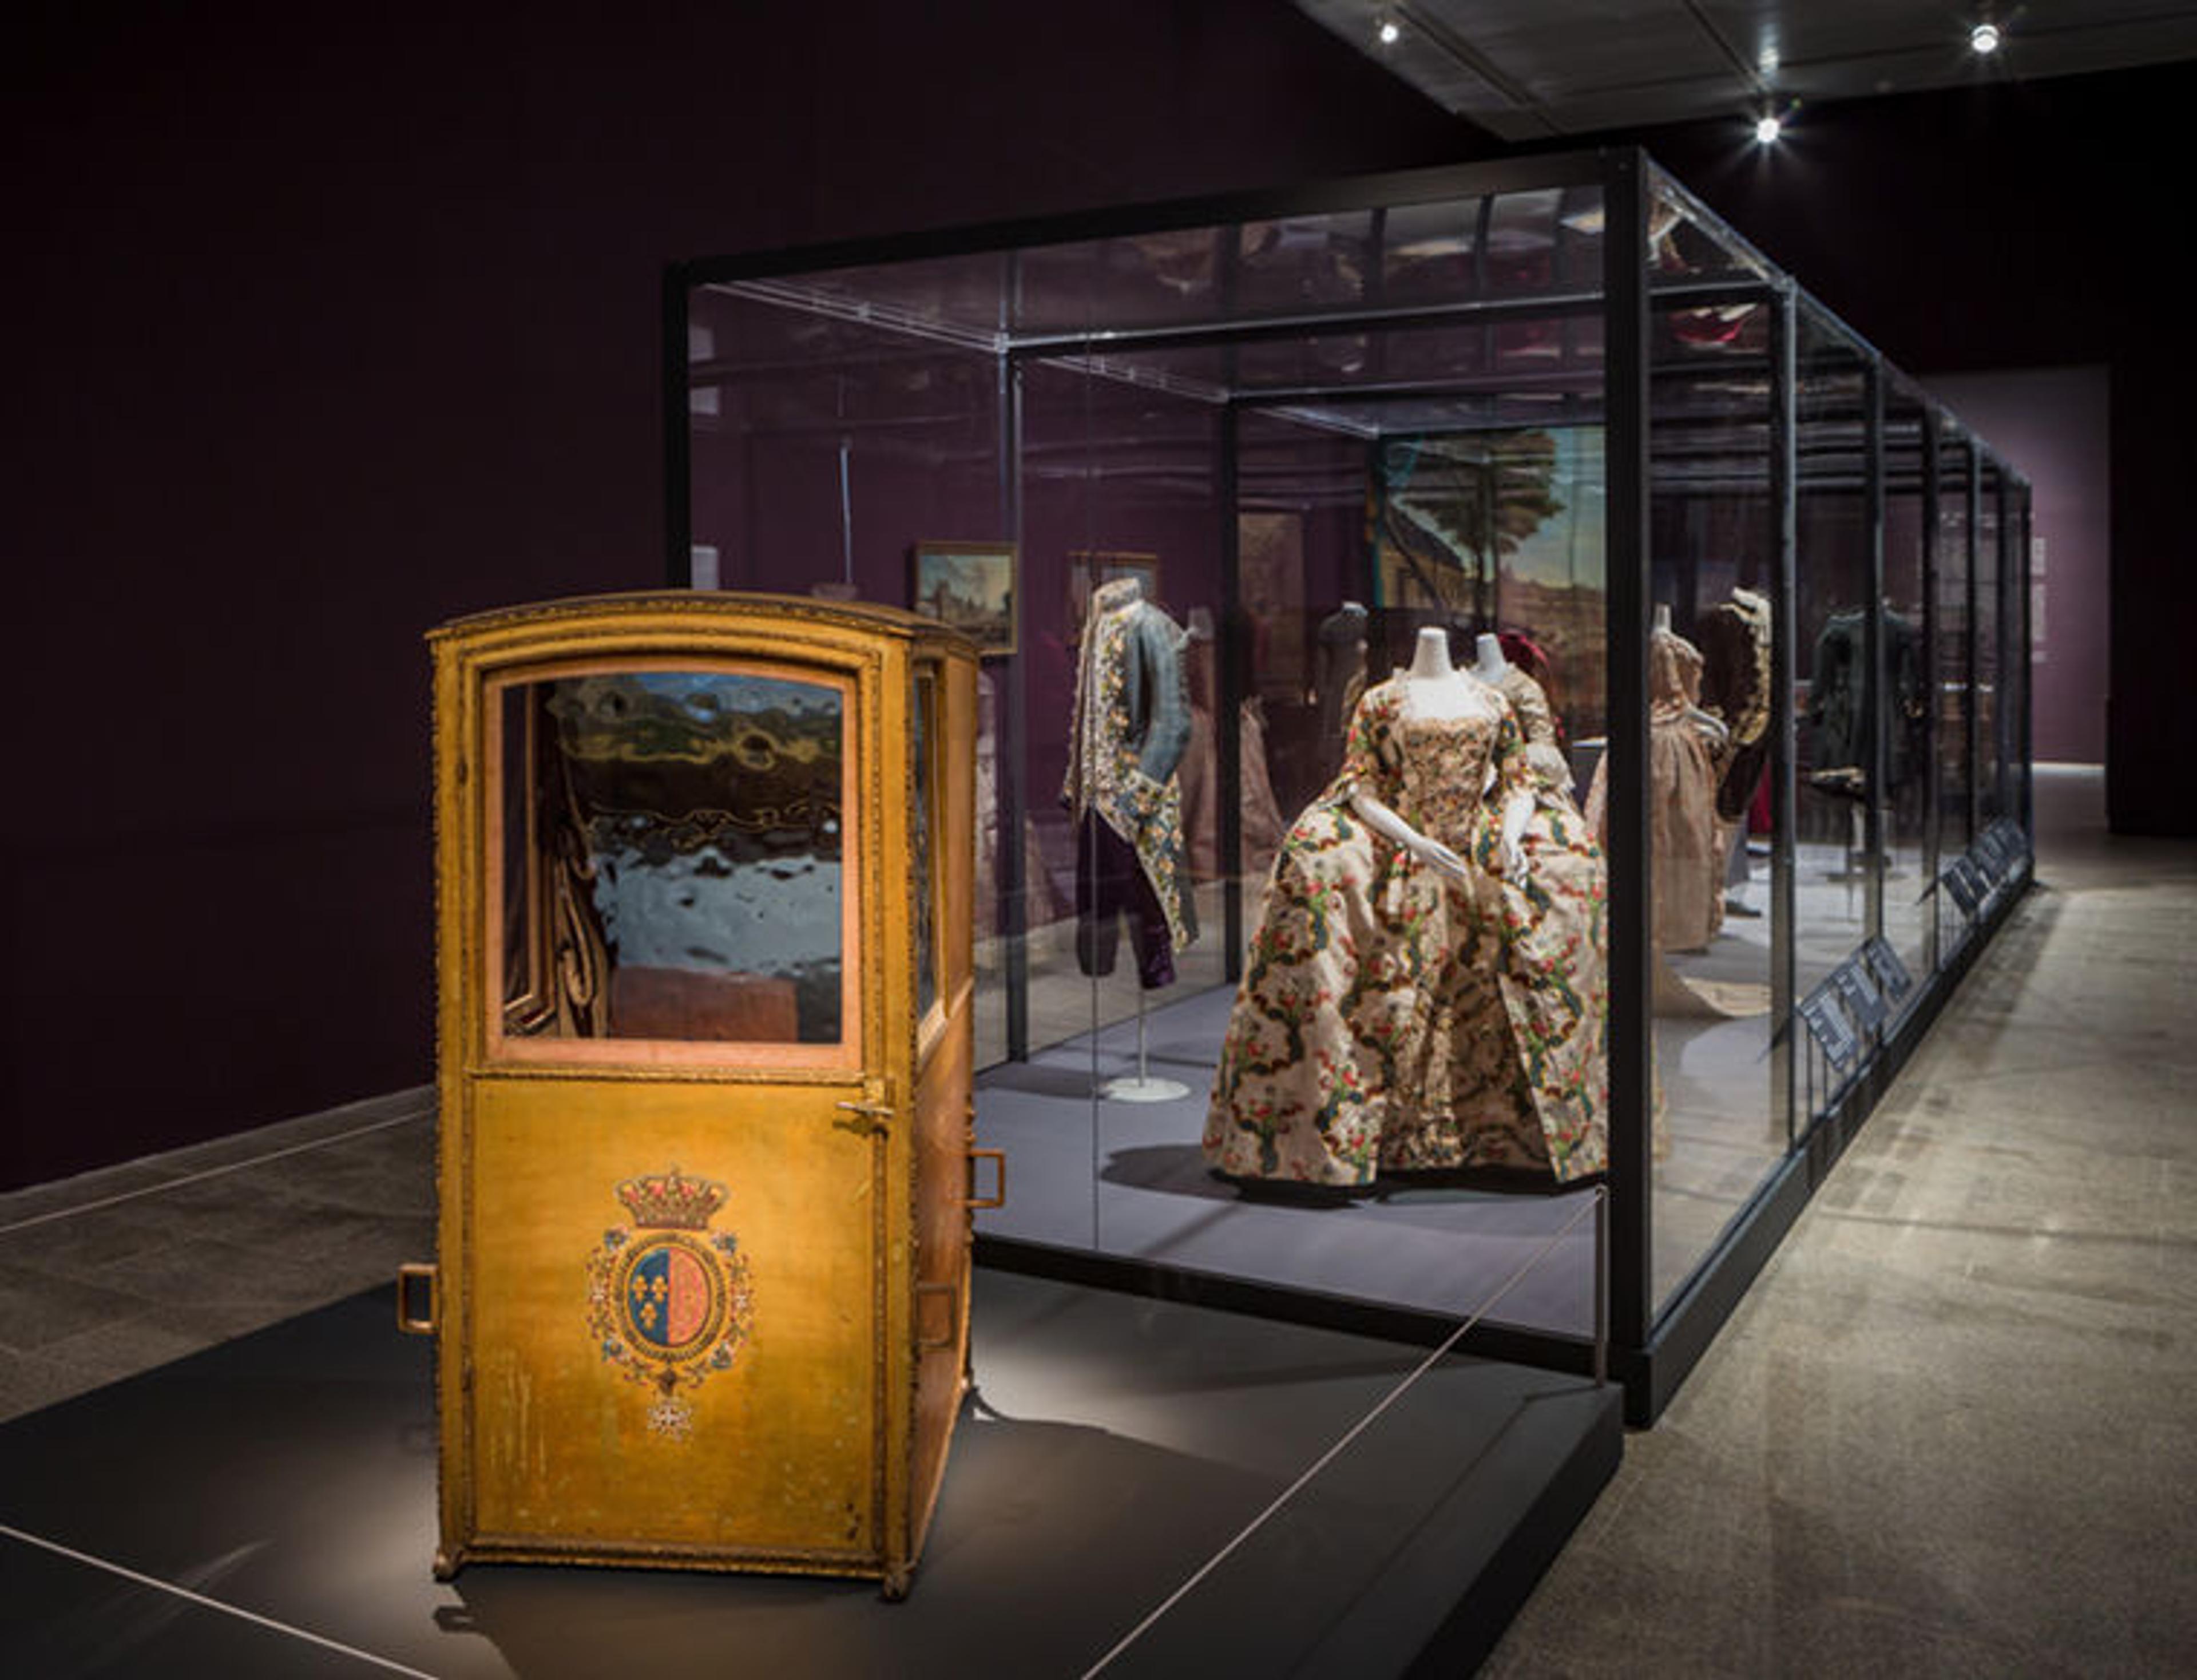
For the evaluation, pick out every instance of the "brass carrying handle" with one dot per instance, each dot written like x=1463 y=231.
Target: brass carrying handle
x=924 y=1344
x=999 y=1195
x=871 y=1118
x=407 y=1275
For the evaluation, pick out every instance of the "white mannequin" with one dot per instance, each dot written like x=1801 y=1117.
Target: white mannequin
x=1491 y=666
x=1430 y=664
x=1433 y=688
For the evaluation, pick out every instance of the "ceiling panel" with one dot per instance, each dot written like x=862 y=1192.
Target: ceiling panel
x=1533 y=69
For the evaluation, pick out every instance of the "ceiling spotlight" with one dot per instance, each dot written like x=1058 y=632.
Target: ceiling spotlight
x=1390 y=33
x=1985 y=39
x=1767 y=127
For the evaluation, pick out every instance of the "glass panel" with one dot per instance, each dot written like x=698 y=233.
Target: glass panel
x=1306 y=606
x=1686 y=240
x=1305 y=262
x=955 y=298
x=1145 y=280
x=1359 y=381
x=922 y=824
x=2021 y=584
x=1579 y=239
x=1371 y=1100
x=1834 y=873
x=1523 y=236
x=681 y=875
x=1990 y=714
x=827 y=438
x=1543 y=241
x=1910 y=861
x=1294 y=509
x=822 y=449
x=1956 y=748
x=1502 y=530
x=1719 y=1109
x=1128 y=476
x=1431 y=251
x=1120 y=512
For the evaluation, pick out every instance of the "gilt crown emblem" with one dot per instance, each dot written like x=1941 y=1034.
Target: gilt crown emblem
x=667 y=1200
x=669 y=1302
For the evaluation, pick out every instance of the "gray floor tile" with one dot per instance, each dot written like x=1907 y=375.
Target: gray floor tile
x=28 y=1383
x=39 y=1308
x=1948 y=1433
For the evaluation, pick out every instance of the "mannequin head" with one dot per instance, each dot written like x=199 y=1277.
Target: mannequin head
x=1430 y=656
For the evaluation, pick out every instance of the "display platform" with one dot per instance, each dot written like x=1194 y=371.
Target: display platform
x=1441 y=1244
x=1436 y=1243
x=275 y=1500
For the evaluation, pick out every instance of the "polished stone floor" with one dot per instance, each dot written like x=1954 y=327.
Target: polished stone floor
x=1953 y=1429
x=112 y=1272
x=1949 y=1433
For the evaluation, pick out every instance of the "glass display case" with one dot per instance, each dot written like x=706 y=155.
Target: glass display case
x=1485 y=699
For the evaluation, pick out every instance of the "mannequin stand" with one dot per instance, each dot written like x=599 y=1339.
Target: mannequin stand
x=1141 y=1086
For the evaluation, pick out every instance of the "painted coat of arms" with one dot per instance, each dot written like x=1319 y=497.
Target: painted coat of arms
x=669 y=1302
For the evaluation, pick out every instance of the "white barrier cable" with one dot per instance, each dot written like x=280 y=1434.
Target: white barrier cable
x=1352 y=1435
x=201 y=1599
x=166 y=1184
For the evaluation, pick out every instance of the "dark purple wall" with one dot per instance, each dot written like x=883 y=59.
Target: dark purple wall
x=325 y=327
x=2056 y=424
x=2020 y=226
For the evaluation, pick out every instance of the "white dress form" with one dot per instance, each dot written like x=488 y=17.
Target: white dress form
x=1489 y=664
x=1433 y=688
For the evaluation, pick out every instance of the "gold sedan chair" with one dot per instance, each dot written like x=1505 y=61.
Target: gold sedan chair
x=704 y=1043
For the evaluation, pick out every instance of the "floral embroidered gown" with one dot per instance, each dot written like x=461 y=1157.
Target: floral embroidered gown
x=1394 y=1017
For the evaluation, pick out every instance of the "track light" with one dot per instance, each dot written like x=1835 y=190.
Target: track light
x=1985 y=39
x=1767 y=127
x=1390 y=33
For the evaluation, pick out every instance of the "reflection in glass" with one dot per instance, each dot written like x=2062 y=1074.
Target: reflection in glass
x=1686 y=242
x=1834 y=870
x=681 y=874
x=1909 y=864
x=1991 y=713
x=1718 y=1107
x=1501 y=531
x=1428 y=250
x=2015 y=607
x=1094 y=954
x=1304 y=262
x=1955 y=751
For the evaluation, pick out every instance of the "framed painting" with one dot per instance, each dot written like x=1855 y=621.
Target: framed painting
x=972 y=587
x=1088 y=568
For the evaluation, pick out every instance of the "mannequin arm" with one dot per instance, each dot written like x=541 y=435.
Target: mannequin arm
x=1384 y=821
x=1517 y=807
x=1515 y=810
